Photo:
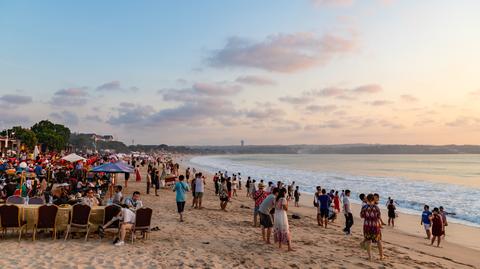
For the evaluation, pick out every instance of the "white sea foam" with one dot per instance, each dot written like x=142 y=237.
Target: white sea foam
x=411 y=195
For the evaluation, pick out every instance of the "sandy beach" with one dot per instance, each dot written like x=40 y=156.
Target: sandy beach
x=210 y=238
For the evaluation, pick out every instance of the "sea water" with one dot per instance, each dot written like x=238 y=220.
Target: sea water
x=451 y=181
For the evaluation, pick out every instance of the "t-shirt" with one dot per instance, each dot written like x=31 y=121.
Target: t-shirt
x=133 y=204
x=324 y=201
x=267 y=204
x=346 y=205
x=117 y=198
x=199 y=185
x=259 y=196
x=180 y=189
x=426 y=217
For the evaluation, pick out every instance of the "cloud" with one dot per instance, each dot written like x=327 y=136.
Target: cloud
x=94 y=118
x=110 y=86
x=115 y=85
x=200 y=90
x=66 y=117
x=380 y=103
x=322 y=109
x=255 y=80
x=16 y=99
x=329 y=124
x=286 y=53
x=409 y=98
x=265 y=113
x=464 y=121
x=295 y=100
x=346 y=93
x=131 y=114
x=70 y=97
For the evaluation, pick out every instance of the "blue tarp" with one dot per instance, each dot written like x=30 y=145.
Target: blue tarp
x=118 y=167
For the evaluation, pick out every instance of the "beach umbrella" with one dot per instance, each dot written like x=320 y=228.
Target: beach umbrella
x=117 y=167
x=73 y=158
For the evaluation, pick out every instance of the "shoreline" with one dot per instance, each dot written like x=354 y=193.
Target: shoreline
x=401 y=210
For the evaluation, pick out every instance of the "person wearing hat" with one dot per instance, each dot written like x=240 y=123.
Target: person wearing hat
x=258 y=197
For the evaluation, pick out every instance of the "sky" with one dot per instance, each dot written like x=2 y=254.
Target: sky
x=266 y=72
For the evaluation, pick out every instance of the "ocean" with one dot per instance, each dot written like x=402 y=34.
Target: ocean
x=451 y=181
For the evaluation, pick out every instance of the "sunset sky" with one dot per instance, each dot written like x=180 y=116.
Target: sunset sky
x=267 y=72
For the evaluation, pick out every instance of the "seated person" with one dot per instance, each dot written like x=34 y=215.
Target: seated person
x=127 y=220
x=118 y=197
x=60 y=196
x=90 y=199
x=134 y=202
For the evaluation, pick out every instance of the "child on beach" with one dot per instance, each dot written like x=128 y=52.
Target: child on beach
x=438 y=227
x=296 y=195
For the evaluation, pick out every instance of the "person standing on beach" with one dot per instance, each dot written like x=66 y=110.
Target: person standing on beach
x=391 y=213
x=372 y=226
x=258 y=197
x=199 y=189
x=348 y=212
x=336 y=202
x=234 y=186
x=253 y=188
x=266 y=220
x=425 y=221
x=438 y=227
x=324 y=207
x=281 y=229
x=229 y=188
x=193 y=190
x=315 y=204
x=443 y=214
x=180 y=188
x=187 y=173
x=239 y=177
x=223 y=194
x=296 y=195
x=247 y=186
x=127 y=177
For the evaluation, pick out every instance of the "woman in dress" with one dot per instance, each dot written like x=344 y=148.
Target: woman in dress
x=438 y=227
x=223 y=194
x=336 y=202
x=281 y=229
x=138 y=177
x=372 y=226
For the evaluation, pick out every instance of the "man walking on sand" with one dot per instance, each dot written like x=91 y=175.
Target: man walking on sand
x=348 y=212
x=180 y=188
x=426 y=222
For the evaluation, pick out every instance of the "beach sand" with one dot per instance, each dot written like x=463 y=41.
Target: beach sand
x=210 y=238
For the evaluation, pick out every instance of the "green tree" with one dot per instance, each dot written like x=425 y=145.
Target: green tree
x=54 y=136
x=27 y=136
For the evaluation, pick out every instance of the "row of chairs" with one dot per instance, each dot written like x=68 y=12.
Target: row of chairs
x=19 y=200
x=11 y=218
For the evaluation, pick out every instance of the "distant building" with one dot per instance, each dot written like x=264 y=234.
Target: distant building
x=7 y=144
x=242 y=143
x=102 y=137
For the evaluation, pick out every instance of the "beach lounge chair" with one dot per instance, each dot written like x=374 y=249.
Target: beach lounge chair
x=11 y=219
x=80 y=219
x=143 y=220
x=15 y=200
x=110 y=212
x=47 y=219
x=36 y=201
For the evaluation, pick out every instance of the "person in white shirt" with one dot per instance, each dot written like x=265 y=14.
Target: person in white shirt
x=199 y=189
x=127 y=220
x=348 y=212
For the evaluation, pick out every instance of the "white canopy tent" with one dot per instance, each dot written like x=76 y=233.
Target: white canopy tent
x=73 y=158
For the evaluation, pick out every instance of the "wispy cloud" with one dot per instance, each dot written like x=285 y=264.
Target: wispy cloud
x=15 y=99
x=255 y=80
x=286 y=53
x=408 y=98
x=70 y=97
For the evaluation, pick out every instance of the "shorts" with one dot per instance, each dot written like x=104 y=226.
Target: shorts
x=224 y=199
x=156 y=183
x=427 y=226
x=198 y=194
x=324 y=212
x=255 y=211
x=180 y=206
x=265 y=220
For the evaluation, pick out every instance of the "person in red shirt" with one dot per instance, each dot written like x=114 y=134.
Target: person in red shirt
x=258 y=197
